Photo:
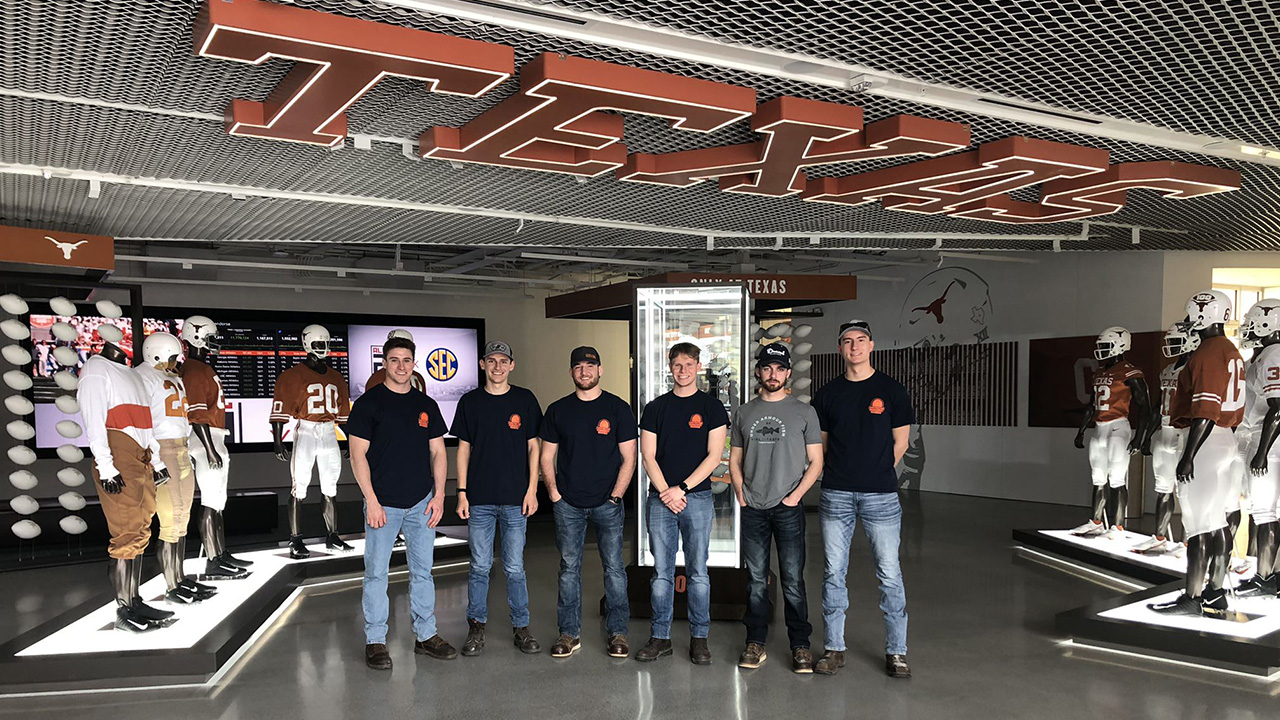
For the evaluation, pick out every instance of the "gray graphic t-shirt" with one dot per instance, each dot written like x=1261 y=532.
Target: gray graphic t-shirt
x=773 y=436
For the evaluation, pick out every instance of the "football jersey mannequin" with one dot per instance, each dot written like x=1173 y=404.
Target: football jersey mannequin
x=127 y=468
x=161 y=353
x=1209 y=401
x=207 y=416
x=1120 y=402
x=1261 y=425
x=1165 y=442
x=316 y=396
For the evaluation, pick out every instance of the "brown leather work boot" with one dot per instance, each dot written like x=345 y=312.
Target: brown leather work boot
x=435 y=647
x=829 y=663
x=377 y=657
x=523 y=640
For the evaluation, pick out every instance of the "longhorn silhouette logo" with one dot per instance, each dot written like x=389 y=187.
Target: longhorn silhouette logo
x=65 y=247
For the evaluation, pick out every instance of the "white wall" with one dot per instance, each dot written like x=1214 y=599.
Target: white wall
x=1060 y=294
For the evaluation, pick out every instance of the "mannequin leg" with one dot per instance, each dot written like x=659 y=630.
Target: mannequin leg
x=226 y=557
x=208 y=532
x=164 y=618
x=214 y=566
x=1189 y=602
x=199 y=590
x=297 y=549
x=1118 y=505
x=1100 y=504
x=1164 y=515
x=332 y=541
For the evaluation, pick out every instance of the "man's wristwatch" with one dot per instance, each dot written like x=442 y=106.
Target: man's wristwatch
x=685 y=487
x=615 y=500
x=461 y=490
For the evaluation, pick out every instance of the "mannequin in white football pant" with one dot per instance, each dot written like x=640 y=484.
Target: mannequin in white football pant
x=1166 y=443
x=1262 y=325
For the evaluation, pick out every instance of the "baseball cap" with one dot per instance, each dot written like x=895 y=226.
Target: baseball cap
x=861 y=326
x=585 y=353
x=775 y=353
x=497 y=347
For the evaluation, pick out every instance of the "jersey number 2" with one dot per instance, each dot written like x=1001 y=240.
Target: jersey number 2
x=322 y=399
x=175 y=405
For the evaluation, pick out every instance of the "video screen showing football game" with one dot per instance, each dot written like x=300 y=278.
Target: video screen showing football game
x=253 y=354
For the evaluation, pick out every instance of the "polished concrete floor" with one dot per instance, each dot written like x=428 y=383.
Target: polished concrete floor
x=982 y=645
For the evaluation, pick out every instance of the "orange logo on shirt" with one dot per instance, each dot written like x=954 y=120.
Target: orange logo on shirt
x=423 y=419
x=877 y=407
x=603 y=427
x=513 y=422
x=695 y=422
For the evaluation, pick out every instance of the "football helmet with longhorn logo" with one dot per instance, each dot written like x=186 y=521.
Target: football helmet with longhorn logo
x=1262 y=320
x=201 y=333
x=315 y=340
x=1211 y=307
x=1179 y=340
x=1113 y=342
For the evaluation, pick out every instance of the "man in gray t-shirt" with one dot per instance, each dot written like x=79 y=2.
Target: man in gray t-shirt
x=775 y=457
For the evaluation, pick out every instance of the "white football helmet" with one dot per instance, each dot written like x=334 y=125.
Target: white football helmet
x=200 y=332
x=400 y=333
x=1211 y=307
x=1113 y=342
x=160 y=349
x=315 y=340
x=1262 y=320
x=1179 y=339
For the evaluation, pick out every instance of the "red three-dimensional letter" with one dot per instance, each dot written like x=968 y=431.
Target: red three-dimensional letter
x=337 y=60
x=960 y=182
x=554 y=123
x=1104 y=193
x=798 y=133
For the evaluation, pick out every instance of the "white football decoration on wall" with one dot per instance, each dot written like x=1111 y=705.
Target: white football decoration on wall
x=25 y=529
x=108 y=309
x=71 y=477
x=13 y=304
x=110 y=333
x=67 y=404
x=73 y=525
x=801 y=331
x=802 y=383
x=18 y=405
x=759 y=334
x=803 y=348
x=66 y=380
x=779 y=330
x=64 y=331
x=72 y=501
x=23 y=479
x=17 y=380
x=22 y=455
x=70 y=454
x=803 y=398
x=20 y=430
x=15 y=355
x=69 y=429
x=62 y=306
x=24 y=505
x=753 y=328
x=802 y=365
x=66 y=356
x=14 y=330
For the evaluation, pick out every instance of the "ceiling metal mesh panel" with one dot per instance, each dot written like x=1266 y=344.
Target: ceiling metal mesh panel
x=139 y=51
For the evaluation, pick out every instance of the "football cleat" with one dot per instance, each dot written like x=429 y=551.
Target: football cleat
x=182 y=595
x=1089 y=529
x=155 y=616
x=1214 y=602
x=1180 y=605
x=1115 y=533
x=215 y=570
x=1257 y=586
x=1146 y=546
x=297 y=549
x=333 y=542
x=1240 y=566
x=200 y=590
x=130 y=621
x=399 y=541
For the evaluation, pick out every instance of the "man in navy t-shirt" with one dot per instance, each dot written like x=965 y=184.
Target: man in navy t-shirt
x=497 y=430
x=588 y=457
x=865 y=418
x=682 y=436
x=398 y=457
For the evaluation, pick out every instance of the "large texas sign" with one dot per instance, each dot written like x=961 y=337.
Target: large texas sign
x=567 y=118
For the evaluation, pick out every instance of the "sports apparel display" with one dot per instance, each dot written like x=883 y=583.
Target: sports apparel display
x=1261 y=456
x=316 y=396
x=1113 y=342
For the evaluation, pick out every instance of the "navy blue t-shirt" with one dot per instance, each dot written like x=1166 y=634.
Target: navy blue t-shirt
x=587 y=436
x=682 y=425
x=399 y=428
x=859 y=418
x=499 y=428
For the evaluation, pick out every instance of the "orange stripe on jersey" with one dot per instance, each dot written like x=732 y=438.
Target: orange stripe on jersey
x=121 y=417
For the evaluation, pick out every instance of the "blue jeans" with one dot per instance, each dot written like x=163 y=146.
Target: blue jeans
x=571 y=533
x=881 y=516
x=786 y=525
x=420 y=545
x=483 y=525
x=666 y=529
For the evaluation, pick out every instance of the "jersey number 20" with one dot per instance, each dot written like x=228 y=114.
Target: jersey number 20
x=322 y=399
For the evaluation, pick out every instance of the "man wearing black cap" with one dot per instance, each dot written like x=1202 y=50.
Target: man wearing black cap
x=497 y=430
x=866 y=418
x=774 y=437
x=588 y=457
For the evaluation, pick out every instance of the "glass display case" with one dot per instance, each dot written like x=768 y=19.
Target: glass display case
x=715 y=318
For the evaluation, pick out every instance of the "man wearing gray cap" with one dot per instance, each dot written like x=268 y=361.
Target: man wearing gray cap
x=866 y=420
x=497 y=430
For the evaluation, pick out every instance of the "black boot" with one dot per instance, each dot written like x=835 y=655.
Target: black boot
x=225 y=557
x=163 y=618
x=297 y=550
x=199 y=590
x=332 y=541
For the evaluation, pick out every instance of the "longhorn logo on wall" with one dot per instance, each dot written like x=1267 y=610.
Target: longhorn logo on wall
x=567 y=117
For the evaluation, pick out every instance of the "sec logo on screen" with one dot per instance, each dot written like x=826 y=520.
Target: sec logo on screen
x=442 y=364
